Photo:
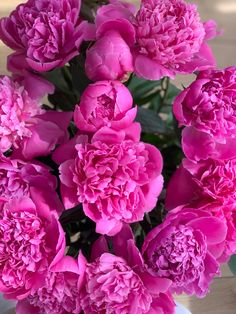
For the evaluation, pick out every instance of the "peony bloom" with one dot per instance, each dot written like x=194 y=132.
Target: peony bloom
x=32 y=241
x=211 y=186
x=171 y=39
x=24 y=126
x=184 y=248
x=110 y=58
x=106 y=103
x=60 y=295
x=210 y=180
x=207 y=109
x=47 y=33
x=17 y=177
x=116 y=178
x=119 y=284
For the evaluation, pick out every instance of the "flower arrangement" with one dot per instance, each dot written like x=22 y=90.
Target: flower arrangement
x=117 y=188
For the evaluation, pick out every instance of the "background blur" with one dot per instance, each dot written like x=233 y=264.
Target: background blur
x=222 y=297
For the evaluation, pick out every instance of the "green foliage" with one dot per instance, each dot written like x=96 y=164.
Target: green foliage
x=232 y=264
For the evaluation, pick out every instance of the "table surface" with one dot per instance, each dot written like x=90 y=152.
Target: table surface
x=222 y=296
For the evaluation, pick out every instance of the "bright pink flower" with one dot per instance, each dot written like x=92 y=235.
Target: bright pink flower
x=183 y=249
x=211 y=186
x=119 y=284
x=60 y=295
x=47 y=33
x=32 y=241
x=105 y=103
x=207 y=108
x=17 y=177
x=116 y=178
x=210 y=180
x=109 y=58
x=171 y=39
x=16 y=109
x=24 y=126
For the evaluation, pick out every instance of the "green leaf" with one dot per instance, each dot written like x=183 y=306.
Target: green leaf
x=232 y=264
x=150 y=122
x=142 y=90
x=172 y=92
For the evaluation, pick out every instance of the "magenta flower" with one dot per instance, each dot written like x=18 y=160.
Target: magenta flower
x=116 y=178
x=47 y=33
x=110 y=58
x=171 y=39
x=119 y=284
x=183 y=250
x=32 y=241
x=24 y=126
x=17 y=177
x=60 y=295
x=211 y=186
x=210 y=180
x=105 y=103
x=207 y=108
x=16 y=109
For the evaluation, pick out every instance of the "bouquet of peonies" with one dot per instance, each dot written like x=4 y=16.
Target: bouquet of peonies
x=91 y=221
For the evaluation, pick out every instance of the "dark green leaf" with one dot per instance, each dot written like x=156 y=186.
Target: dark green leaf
x=150 y=122
x=172 y=92
x=232 y=264
x=142 y=90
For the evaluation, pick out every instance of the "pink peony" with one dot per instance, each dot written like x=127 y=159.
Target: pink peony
x=211 y=186
x=47 y=33
x=210 y=180
x=106 y=103
x=207 y=109
x=17 y=177
x=116 y=178
x=171 y=39
x=24 y=126
x=184 y=248
x=119 y=284
x=32 y=241
x=60 y=295
x=109 y=58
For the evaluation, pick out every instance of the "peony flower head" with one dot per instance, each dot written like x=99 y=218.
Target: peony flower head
x=17 y=177
x=170 y=39
x=116 y=179
x=109 y=58
x=210 y=186
x=16 y=109
x=105 y=103
x=184 y=248
x=210 y=180
x=118 y=283
x=26 y=128
x=207 y=108
x=32 y=241
x=47 y=33
x=60 y=295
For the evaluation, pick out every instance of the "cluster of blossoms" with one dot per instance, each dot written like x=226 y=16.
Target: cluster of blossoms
x=96 y=154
